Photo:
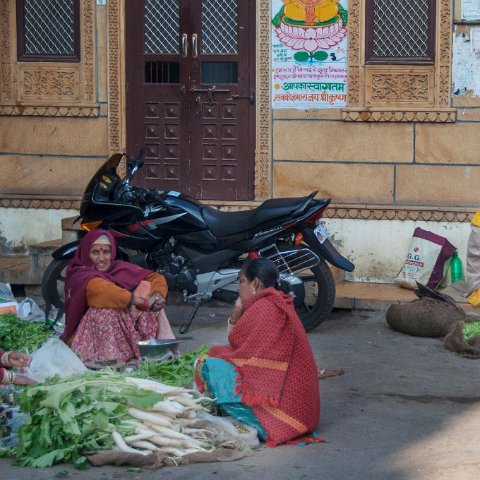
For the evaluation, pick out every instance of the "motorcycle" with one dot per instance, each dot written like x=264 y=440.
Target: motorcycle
x=200 y=249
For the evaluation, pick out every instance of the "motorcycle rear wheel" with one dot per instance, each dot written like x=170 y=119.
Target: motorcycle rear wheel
x=319 y=295
x=53 y=283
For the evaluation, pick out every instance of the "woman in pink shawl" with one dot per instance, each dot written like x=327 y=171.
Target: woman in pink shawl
x=110 y=304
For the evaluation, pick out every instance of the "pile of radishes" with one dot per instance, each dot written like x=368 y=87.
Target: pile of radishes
x=169 y=426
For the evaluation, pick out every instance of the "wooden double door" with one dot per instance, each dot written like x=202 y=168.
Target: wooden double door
x=190 y=101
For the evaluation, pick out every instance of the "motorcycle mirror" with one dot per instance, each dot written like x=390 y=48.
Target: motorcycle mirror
x=141 y=157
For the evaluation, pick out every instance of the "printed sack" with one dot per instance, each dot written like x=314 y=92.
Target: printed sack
x=427 y=260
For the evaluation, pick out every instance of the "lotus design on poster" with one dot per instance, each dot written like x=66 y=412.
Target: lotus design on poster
x=309 y=25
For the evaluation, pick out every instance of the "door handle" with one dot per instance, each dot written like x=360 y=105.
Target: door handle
x=184 y=45
x=194 y=45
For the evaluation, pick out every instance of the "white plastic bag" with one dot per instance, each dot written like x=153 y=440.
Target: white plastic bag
x=54 y=358
x=227 y=431
x=27 y=309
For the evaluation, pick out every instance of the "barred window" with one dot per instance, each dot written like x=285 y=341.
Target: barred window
x=400 y=32
x=48 y=30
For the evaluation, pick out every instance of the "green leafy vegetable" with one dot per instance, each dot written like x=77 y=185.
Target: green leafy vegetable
x=471 y=329
x=16 y=334
x=7 y=452
x=177 y=372
x=75 y=415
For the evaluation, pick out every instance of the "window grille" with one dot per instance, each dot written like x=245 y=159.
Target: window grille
x=162 y=27
x=399 y=31
x=48 y=29
x=219 y=27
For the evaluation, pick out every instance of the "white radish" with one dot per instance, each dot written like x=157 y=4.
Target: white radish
x=140 y=436
x=146 y=445
x=167 y=407
x=174 y=405
x=165 y=442
x=185 y=401
x=168 y=432
x=117 y=438
x=152 y=385
x=148 y=417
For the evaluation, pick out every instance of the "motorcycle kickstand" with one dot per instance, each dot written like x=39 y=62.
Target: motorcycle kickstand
x=186 y=325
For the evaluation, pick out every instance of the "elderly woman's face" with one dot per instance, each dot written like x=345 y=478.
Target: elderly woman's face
x=101 y=256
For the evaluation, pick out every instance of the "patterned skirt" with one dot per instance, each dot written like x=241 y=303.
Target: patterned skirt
x=112 y=334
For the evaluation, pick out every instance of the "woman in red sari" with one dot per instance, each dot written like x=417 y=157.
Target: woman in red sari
x=276 y=375
x=110 y=304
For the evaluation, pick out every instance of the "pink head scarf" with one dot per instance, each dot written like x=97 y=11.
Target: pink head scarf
x=81 y=269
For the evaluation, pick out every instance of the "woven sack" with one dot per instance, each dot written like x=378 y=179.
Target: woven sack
x=455 y=341
x=424 y=317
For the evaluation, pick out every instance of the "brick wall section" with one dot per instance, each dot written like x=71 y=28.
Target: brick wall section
x=411 y=164
x=73 y=147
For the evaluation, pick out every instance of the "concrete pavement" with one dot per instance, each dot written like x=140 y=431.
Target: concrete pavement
x=406 y=408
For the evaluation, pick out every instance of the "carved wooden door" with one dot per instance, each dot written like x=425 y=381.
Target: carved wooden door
x=190 y=72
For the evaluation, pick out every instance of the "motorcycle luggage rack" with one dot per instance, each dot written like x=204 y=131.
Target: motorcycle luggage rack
x=290 y=262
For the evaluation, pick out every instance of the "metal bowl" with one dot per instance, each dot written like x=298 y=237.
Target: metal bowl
x=158 y=348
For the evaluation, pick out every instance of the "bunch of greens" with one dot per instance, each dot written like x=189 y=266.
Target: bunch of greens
x=471 y=329
x=177 y=372
x=78 y=414
x=16 y=334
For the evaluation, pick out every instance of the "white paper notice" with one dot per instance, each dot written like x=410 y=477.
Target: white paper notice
x=471 y=9
x=465 y=67
x=475 y=39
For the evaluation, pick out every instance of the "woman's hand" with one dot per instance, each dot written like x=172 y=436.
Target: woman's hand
x=154 y=303
x=237 y=311
x=23 y=380
x=157 y=302
x=19 y=359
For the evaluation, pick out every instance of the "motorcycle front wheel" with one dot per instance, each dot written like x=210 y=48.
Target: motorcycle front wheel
x=53 y=283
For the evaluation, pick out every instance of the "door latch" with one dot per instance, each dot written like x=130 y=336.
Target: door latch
x=250 y=96
x=209 y=91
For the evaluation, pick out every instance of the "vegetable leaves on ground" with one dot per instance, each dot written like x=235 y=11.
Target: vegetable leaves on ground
x=21 y=335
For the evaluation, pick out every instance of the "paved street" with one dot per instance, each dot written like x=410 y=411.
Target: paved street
x=406 y=408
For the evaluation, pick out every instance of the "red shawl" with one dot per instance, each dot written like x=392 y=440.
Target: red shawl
x=278 y=374
x=80 y=270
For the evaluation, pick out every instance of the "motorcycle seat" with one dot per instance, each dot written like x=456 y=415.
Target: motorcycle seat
x=223 y=224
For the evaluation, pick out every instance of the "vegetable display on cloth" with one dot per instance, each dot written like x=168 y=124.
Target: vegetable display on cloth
x=16 y=334
x=106 y=410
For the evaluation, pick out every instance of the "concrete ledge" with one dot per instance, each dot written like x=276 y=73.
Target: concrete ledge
x=379 y=296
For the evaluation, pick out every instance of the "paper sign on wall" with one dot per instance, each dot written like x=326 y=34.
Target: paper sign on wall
x=309 y=54
x=470 y=9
